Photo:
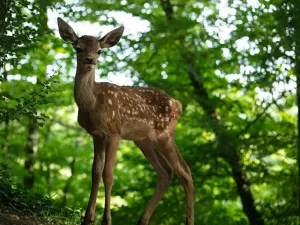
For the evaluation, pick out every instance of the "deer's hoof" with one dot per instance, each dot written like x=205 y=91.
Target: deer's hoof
x=87 y=223
x=105 y=223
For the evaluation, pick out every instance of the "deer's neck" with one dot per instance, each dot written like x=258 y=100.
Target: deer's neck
x=84 y=89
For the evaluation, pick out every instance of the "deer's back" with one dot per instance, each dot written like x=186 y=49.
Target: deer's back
x=132 y=112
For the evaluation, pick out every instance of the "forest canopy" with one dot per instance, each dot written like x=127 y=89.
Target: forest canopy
x=233 y=64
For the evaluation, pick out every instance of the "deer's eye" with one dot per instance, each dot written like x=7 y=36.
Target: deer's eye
x=77 y=49
x=99 y=52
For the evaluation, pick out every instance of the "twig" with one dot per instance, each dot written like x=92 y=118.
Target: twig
x=283 y=94
x=69 y=126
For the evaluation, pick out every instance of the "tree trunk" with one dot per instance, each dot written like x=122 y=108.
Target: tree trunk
x=72 y=168
x=243 y=188
x=31 y=146
x=229 y=153
x=297 y=73
x=225 y=149
x=30 y=150
x=3 y=74
x=4 y=145
x=298 y=131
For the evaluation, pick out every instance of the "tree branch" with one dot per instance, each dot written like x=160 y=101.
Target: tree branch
x=168 y=8
x=69 y=126
x=250 y=124
x=224 y=146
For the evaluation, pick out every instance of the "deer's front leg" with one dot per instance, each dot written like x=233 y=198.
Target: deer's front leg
x=108 y=175
x=97 y=169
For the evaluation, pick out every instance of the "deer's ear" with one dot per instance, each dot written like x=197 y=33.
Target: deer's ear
x=66 y=31
x=111 y=38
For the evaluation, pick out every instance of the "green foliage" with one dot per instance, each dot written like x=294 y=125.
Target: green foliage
x=19 y=34
x=14 y=200
x=25 y=103
x=246 y=60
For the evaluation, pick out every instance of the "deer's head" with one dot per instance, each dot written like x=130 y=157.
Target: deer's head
x=88 y=48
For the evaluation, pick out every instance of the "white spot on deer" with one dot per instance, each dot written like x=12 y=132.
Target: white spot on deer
x=109 y=101
x=167 y=108
x=170 y=102
x=116 y=94
x=113 y=114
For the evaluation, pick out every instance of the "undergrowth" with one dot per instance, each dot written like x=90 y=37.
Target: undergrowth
x=15 y=200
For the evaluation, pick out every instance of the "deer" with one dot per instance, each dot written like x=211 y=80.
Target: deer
x=110 y=113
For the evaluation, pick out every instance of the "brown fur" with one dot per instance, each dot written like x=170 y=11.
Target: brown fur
x=131 y=113
x=109 y=113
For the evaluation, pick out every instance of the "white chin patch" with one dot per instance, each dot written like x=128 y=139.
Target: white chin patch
x=89 y=66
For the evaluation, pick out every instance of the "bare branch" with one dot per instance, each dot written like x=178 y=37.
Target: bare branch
x=168 y=8
x=250 y=124
x=66 y=125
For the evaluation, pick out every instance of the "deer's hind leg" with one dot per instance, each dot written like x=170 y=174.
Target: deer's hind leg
x=167 y=147
x=164 y=177
x=171 y=130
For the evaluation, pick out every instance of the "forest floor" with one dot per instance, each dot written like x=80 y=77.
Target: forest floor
x=10 y=216
x=19 y=206
x=22 y=211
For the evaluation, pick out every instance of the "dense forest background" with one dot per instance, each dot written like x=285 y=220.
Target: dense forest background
x=233 y=64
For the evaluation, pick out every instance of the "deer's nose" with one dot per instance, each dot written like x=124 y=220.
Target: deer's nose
x=89 y=60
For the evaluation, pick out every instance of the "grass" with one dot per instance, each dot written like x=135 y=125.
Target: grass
x=19 y=207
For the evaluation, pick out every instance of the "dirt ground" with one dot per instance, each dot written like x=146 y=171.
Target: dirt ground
x=11 y=217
